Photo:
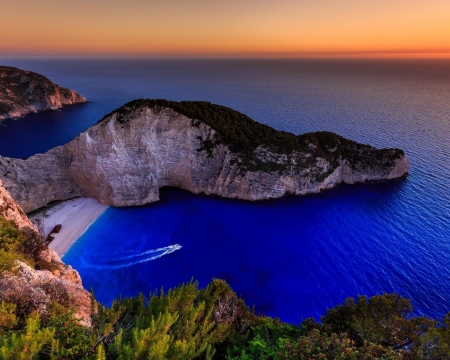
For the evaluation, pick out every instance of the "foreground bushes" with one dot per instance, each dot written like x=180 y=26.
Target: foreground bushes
x=185 y=323
x=213 y=323
x=18 y=244
x=192 y=323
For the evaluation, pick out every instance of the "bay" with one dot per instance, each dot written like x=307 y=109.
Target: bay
x=293 y=257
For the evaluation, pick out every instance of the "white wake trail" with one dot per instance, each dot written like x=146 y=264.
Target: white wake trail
x=111 y=264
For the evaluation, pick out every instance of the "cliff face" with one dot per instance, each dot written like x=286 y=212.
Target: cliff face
x=23 y=92
x=41 y=287
x=11 y=211
x=127 y=157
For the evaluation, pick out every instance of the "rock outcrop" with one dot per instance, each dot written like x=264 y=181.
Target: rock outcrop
x=23 y=92
x=9 y=210
x=130 y=154
x=37 y=289
x=40 y=287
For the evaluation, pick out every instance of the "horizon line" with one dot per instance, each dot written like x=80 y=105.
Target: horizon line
x=363 y=54
x=149 y=57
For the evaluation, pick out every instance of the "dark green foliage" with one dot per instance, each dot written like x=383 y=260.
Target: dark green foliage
x=8 y=318
x=178 y=324
x=27 y=343
x=382 y=320
x=244 y=135
x=11 y=242
x=70 y=339
x=184 y=323
x=381 y=327
x=241 y=133
x=266 y=339
x=213 y=323
x=33 y=244
x=320 y=345
x=283 y=342
x=20 y=244
x=192 y=323
x=435 y=343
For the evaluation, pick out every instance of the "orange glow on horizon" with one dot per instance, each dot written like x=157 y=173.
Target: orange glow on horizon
x=211 y=28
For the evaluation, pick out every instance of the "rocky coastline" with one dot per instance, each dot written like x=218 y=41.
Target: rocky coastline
x=41 y=286
x=129 y=155
x=24 y=92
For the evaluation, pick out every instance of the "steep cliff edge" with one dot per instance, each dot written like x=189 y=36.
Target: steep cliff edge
x=36 y=289
x=147 y=144
x=23 y=92
x=9 y=210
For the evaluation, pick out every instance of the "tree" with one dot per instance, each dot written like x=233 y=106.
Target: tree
x=26 y=344
x=384 y=320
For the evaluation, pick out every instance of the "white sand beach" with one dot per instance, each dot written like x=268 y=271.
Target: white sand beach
x=74 y=215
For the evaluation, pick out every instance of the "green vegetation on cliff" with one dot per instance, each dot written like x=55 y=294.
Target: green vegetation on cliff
x=243 y=136
x=213 y=323
x=15 y=244
x=238 y=131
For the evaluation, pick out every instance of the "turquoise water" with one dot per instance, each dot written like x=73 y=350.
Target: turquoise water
x=292 y=257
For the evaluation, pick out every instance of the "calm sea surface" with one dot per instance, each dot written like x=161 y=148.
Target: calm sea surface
x=294 y=257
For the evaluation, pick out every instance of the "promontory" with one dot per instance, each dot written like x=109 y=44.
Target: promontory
x=24 y=92
x=204 y=148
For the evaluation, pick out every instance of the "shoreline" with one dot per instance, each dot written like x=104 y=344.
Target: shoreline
x=75 y=216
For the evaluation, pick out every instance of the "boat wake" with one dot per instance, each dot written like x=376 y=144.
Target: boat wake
x=130 y=260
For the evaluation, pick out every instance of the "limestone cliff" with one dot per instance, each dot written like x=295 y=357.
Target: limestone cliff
x=133 y=152
x=40 y=287
x=9 y=210
x=23 y=92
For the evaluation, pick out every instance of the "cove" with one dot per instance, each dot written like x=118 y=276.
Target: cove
x=291 y=258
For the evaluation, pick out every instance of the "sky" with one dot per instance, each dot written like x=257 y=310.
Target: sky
x=226 y=28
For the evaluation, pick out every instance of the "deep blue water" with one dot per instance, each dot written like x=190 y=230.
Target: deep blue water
x=294 y=257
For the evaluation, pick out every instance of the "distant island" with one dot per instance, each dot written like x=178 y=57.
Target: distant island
x=201 y=147
x=24 y=92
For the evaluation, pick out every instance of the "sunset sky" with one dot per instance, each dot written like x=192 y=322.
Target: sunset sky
x=231 y=28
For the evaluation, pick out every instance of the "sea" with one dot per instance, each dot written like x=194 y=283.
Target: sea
x=291 y=258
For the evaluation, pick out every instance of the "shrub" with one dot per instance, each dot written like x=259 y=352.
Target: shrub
x=20 y=244
x=33 y=244
x=11 y=239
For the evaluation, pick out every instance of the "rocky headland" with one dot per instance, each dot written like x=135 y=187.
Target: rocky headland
x=204 y=148
x=37 y=287
x=23 y=92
